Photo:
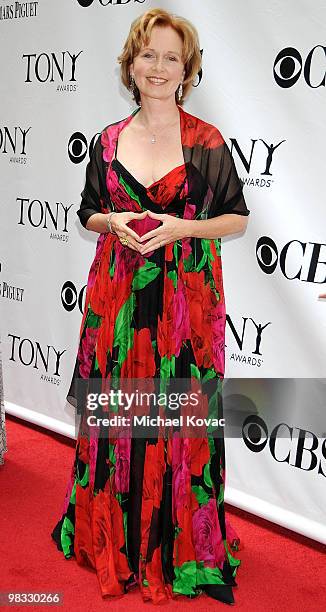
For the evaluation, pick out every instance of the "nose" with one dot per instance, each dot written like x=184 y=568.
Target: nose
x=159 y=64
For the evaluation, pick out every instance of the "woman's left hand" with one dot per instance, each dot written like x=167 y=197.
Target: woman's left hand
x=172 y=229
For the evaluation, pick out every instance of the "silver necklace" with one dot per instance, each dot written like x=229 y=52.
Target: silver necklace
x=153 y=138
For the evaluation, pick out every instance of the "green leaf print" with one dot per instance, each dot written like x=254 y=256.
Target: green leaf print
x=207 y=475
x=123 y=332
x=145 y=275
x=174 y=277
x=130 y=191
x=112 y=456
x=175 y=253
x=213 y=404
x=201 y=495
x=185 y=578
x=92 y=319
x=167 y=367
x=84 y=481
x=112 y=460
x=213 y=288
x=213 y=410
x=192 y=574
x=112 y=264
x=195 y=372
x=209 y=375
x=208 y=575
x=207 y=254
x=203 y=260
x=211 y=443
x=206 y=246
x=188 y=263
x=217 y=242
x=201 y=263
x=232 y=560
x=67 y=531
x=72 y=499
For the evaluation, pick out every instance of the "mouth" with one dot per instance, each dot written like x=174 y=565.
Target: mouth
x=156 y=80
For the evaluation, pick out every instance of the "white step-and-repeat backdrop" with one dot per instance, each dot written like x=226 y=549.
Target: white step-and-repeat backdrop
x=263 y=85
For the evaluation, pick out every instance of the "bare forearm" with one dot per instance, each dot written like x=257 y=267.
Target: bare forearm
x=207 y=228
x=216 y=227
x=98 y=223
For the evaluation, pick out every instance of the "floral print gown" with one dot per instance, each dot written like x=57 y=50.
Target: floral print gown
x=150 y=511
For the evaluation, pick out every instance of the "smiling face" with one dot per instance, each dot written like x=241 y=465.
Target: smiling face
x=158 y=68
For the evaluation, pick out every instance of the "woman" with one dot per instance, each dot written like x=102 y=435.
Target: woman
x=161 y=189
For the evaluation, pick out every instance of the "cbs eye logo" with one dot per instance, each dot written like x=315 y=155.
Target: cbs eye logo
x=289 y=64
x=304 y=261
x=78 y=147
x=267 y=254
x=70 y=297
x=255 y=433
x=307 y=451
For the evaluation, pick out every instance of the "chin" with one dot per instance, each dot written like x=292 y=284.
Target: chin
x=156 y=95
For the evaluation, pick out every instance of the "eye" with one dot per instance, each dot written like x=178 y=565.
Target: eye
x=147 y=54
x=173 y=58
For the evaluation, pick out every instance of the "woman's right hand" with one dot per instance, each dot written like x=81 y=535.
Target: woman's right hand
x=119 y=221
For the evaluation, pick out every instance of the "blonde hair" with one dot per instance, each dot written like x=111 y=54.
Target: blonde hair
x=139 y=35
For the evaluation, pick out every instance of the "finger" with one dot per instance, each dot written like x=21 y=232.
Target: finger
x=129 y=246
x=127 y=230
x=156 y=215
x=132 y=247
x=151 y=234
x=124 y=230
x=136 y=215
x=123 y=227
x=132 y=244
x=151 y=247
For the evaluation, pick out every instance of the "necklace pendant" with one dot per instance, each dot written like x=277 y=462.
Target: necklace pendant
x=153 y=140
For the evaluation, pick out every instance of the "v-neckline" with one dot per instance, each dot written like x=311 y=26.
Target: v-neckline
x=115 y=159
x=118 y=162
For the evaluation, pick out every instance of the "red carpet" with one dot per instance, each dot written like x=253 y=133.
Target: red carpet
x=280 y=570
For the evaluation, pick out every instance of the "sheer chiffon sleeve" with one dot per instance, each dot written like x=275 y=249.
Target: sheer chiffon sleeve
x=224 y=180
x=94 y=191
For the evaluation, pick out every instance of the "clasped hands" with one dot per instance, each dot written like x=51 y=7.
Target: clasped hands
x=171 y=229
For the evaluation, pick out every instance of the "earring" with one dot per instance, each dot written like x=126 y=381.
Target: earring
x=180 y=92
x=132 y=87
